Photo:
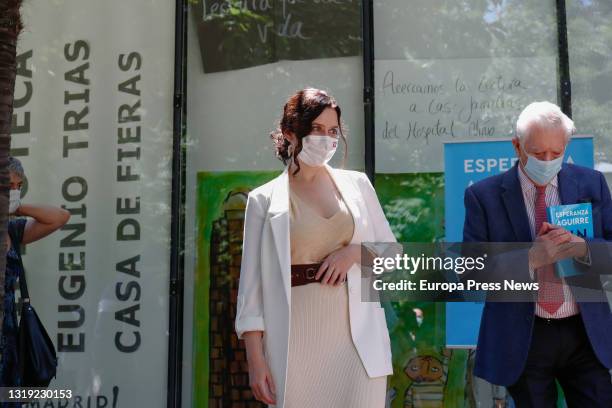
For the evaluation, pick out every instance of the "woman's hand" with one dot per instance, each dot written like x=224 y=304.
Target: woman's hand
x=335 y=267
x=261 y=382
x=260 y=376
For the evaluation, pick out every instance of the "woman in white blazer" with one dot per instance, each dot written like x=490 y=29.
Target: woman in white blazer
x=311 y=341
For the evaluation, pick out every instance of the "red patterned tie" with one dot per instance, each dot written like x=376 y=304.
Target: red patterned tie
x=550 y=295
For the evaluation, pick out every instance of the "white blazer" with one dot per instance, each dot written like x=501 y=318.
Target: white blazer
x=264 y=293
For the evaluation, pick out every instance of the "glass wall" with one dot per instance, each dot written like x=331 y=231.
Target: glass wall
x=245 y=59
x=447 y=71
x=92 y=126
x=590 y=46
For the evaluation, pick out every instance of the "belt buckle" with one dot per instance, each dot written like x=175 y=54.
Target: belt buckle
x=311 y=272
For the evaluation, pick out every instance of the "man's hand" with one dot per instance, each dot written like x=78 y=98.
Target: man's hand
x=554 y=243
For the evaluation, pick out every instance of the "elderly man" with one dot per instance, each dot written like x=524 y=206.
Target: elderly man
x=526 y=346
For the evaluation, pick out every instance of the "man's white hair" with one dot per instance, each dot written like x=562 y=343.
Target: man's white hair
x=546 y=115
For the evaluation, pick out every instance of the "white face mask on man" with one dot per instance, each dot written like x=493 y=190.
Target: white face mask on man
x=317 y=150
x=542 y=171
x=14 y=200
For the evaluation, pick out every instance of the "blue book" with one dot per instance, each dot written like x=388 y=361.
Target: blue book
x=577 y=219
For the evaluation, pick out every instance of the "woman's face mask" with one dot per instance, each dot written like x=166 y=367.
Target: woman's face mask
x=317 y=150
x=14 y=200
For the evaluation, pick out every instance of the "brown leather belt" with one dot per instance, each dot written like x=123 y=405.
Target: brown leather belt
x=302 y=274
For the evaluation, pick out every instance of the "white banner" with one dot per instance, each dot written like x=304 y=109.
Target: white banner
x=422 y=103
x=93 y=128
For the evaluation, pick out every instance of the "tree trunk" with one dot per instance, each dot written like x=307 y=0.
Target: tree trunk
x=10 y=26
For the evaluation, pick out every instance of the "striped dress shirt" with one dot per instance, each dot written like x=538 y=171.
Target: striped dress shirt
x=569 y=306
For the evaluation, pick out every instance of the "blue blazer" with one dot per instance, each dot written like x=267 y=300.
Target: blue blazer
x=495 y=212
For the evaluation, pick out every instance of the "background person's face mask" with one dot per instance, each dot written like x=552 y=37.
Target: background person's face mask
x=542 y=171
x=317 y=150
x=14 y=200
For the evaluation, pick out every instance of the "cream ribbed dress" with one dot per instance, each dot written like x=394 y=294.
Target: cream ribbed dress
x=324 y=369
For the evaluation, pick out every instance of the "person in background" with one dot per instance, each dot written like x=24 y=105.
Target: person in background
x=29 y=223
x=310 y=340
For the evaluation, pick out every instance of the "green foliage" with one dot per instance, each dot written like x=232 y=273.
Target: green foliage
x=413 y=204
